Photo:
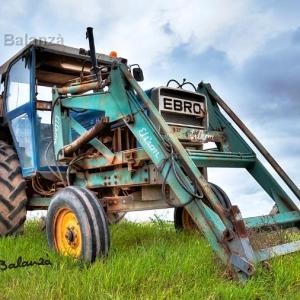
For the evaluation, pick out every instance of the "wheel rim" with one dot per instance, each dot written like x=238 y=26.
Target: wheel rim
x=67 y=233
x=187 y=221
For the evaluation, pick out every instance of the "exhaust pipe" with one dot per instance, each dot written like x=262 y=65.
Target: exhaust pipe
x=92 y=52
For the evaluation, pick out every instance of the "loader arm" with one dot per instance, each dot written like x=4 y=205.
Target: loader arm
x=104 y=147
x=126 y=101
x=178 y=167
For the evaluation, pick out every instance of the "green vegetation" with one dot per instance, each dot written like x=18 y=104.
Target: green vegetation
x=147 y=261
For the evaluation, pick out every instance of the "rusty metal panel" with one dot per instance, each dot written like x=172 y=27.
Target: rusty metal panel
x=133 y=202
x=151 y=193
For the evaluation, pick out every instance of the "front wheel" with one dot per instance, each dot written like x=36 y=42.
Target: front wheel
x=76 y=224
x=183 y=220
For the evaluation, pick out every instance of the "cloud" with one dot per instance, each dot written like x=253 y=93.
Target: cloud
x=156 y=28
x=248 y=50
x=80 y=12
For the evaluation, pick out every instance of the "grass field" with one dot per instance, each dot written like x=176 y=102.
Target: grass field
x=147 y=261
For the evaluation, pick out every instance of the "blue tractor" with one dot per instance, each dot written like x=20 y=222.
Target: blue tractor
x=81 y=139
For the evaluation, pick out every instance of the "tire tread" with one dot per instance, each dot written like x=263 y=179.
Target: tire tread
x=13 y=197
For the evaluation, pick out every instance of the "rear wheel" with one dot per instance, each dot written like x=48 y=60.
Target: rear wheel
x=182 y=218
x=13 y=197
x=77 y=225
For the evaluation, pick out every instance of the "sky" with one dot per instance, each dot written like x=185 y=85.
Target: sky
x=248 y=50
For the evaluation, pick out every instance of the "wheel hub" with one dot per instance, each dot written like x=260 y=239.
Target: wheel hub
x=67 y=233
x=70 y=235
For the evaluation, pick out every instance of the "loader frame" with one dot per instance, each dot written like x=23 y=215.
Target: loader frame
x=160 y=162
x=153 y=162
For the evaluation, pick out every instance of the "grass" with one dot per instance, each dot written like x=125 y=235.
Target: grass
x=146 y=261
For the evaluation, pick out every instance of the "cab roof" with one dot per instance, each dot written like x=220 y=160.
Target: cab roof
x=58 y=49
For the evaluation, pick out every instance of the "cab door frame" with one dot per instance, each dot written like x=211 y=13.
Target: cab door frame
x=28 y=109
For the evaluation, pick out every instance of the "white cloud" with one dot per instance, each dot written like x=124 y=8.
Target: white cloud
x=78 y=11
x=239 y=28
x=147 y=32
x=137 y=28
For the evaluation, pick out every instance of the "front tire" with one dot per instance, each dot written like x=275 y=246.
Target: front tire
x=77 y=225
x=183 y=220
x=13 y=197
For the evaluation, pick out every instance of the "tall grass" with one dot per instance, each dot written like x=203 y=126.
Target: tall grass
x=146 y=261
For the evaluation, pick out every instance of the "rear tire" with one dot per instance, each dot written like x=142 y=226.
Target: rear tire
x=183 y=220
x=76 y=224
x=13 y=197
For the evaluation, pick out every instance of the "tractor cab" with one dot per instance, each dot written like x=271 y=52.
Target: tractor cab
x=27 y=80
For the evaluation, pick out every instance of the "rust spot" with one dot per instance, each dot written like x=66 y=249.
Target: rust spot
x=227 y=235
x=238 y=222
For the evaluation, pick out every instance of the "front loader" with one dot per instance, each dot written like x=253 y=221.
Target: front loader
x=81 y=139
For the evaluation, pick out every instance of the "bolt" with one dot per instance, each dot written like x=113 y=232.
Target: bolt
x=70 y=236
x=145 y=170
x=145 y=179
x=116 y=182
